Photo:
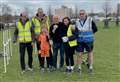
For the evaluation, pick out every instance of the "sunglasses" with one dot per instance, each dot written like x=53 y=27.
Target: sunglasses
x=40 y=12
x=82 y=13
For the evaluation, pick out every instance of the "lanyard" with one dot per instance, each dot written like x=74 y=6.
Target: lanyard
x=82 y=24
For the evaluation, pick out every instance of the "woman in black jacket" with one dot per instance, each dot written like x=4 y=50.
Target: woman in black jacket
x=69 y=39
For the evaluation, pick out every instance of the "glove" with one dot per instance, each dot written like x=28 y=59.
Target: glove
x=65 y=39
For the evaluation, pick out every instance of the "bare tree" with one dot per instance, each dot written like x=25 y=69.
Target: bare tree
x=76 y=11
x=0 y=9
x=107 y=11
x=70 y=12
x=118 y=14
x=50 y=13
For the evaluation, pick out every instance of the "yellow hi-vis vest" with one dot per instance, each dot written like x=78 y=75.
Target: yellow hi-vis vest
x=69 y=33
x=38 y=24
x=24 y=33
x=48 y=23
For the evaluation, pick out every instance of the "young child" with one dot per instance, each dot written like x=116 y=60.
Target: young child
x=44 y=47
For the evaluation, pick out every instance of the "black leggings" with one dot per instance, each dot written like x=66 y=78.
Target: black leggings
x=69 y=51
x=40 y=59
x=22 y=49
x=43 y=61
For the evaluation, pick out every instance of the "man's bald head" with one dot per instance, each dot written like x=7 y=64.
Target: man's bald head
x=55 y=19
x=40 y=12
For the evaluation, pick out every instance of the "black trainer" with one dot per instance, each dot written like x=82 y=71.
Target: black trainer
x=67 y=70
x=88 y=66
x=90 y=71
x=79 y=71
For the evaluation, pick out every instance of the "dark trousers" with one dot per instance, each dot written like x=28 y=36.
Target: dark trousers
x=56 y=47
x=40 y=59
x=43 y=61
x=69 y=52
x=22 y=49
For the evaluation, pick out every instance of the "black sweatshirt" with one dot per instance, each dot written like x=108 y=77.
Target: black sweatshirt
x=57 y=35
x=94 y=27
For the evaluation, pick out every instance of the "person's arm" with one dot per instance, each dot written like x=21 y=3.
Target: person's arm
x=33 y=26
x=15 y=36
x=32 y=34
x=39 y=38
x=74 y=36
x=63 y=30
x=51 y=33
x=94 y=27
x=47 y=38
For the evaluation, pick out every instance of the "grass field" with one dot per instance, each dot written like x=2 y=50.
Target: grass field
x=106 y=62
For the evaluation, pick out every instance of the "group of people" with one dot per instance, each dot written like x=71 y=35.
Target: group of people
x=60 y=36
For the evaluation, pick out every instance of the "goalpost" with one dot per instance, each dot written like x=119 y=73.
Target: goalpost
x=7 y=47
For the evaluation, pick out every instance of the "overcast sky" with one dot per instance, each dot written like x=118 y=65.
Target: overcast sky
x=88 y=5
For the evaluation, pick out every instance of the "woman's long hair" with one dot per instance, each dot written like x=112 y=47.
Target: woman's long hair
x=67 y=19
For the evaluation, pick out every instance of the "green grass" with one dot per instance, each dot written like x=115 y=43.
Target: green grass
x=106 y=63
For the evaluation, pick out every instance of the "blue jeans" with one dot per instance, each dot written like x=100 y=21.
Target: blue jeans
x=56 y=47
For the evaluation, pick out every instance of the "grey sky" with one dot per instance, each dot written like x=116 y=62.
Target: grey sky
x=94 y=5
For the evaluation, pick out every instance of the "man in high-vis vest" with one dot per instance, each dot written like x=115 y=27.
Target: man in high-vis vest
x=24 y=35
x=37 y=22
x=86 y=29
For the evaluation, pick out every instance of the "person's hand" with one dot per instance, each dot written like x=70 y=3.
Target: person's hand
x=54 y=28
x=39 y=52
x=51 y=42
x=14 y=41
x=32 y=44
x=65 y=39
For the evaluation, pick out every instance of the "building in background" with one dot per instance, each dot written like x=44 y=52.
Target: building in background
x=63 y=12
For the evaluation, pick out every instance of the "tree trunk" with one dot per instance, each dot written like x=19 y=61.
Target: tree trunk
x=117 y=21
x=106 y=23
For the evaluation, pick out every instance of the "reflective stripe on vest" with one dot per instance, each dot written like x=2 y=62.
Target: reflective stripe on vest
x=85 y=31
x=86 y=37
x=38 y=25
x=69 y=33
x=24 y=34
